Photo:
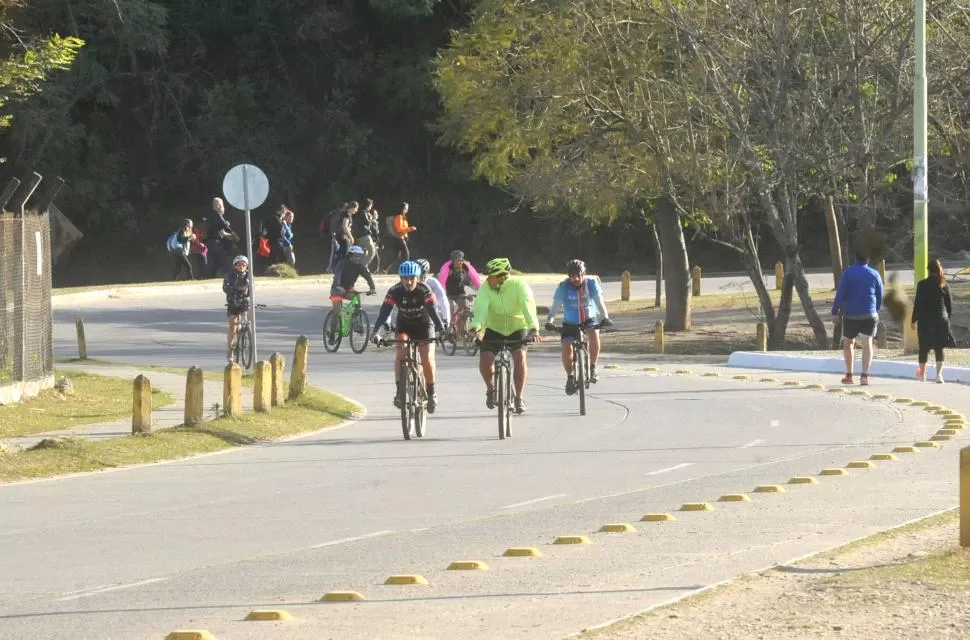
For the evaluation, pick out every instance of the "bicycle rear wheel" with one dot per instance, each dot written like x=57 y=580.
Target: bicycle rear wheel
x=331 y=334
x=502 y=400
x=406 y=411
x=245 y=346
x=579 y=365
x=449 y=342
x=359 y=331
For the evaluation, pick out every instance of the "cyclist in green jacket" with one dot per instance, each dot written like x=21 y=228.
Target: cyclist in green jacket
x=506 y=310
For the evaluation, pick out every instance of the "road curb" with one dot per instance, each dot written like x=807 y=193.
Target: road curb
x=818 y=364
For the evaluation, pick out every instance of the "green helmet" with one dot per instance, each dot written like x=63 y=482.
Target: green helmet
x=498 y=267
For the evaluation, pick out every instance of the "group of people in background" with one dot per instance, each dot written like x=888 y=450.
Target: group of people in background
x=352 y=224
x=857 y=303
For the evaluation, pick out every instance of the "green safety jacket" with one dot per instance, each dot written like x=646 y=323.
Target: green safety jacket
x=510 y=308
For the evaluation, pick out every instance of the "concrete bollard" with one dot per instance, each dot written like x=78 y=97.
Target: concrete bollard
x=141 y=413
x=194 y=397
x=298 y=374
x=625 y=286
x=232 y=391
x=965 y=497
x=910 y=338
x=761 y=344
x=262 y=387
x=882 y=336
x=658 y=336
x=695 y=276
x=278 y=366
x=779 y=276
x=82 y=343
x=882 y=270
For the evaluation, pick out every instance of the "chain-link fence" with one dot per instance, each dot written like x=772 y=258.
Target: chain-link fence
x=26 y=331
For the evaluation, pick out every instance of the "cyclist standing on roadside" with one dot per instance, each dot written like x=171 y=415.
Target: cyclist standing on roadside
x=236 y=286
x=345 y=276
x=441 y=300
x=506 y=310
x=415 y=314
x=580 y=297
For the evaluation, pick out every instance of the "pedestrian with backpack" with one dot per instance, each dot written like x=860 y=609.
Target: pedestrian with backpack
x=178 y=247
x=399 y=230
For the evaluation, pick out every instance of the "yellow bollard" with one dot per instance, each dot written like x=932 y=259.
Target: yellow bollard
x=141 y=410
x=277 y=365
x=658 y=336
x=761 y=343
x=232 y=391
x=965 y=497
x=625 y=286
x=193 y=397
x=779 y=275
x=262 y=387
x=695 y=275
x=82 y=343
x=298 y=375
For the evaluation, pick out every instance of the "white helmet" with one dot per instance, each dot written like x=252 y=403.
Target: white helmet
x=242 y=259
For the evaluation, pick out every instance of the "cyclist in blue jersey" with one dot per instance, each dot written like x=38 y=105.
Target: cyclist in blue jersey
x=581 y=299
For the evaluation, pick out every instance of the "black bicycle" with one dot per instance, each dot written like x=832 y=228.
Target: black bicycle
x=581 y=363
x=243 y=349
x=414 y=408
x=502 y=383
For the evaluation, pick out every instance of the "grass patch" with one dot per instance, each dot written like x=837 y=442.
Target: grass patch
x=96 y=399
x=747 y=299
x=314 y=410
x=214 y=376
x=281 y=270
x=948 y=569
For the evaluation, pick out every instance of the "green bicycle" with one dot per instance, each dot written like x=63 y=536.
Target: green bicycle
x=353 y=324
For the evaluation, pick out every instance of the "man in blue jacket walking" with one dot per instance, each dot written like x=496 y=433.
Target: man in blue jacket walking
x=858 y=301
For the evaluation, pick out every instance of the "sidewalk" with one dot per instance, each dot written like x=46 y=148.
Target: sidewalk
x=162 y=418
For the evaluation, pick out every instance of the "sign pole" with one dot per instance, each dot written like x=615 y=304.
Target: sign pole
x=249 y=254
x=920 y=165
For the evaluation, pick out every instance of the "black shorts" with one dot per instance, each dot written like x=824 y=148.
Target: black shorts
x=852 y=327
x=491 y=340
x=237 y=307
x=571 y=332
x=415 y=330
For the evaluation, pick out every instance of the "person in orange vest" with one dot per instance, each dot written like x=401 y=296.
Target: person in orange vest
x=402 y=228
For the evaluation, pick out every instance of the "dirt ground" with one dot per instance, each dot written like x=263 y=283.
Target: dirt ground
x=909 y=583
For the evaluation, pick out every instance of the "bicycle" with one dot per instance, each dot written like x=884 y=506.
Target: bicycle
x=581 y=363
x=243 y=348
x=414 y=408
x=353 y=324
x=458 y=329
x=502 y=383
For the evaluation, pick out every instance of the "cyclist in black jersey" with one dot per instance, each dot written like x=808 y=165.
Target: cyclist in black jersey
x=415 y=314
x=345 y=276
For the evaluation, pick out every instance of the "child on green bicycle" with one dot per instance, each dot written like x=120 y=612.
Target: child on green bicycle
x=236 y=286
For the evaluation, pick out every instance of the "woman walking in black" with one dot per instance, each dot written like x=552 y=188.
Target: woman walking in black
x=931 y=319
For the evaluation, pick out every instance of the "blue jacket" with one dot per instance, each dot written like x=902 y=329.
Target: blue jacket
x=860 y=292
x=580 y=304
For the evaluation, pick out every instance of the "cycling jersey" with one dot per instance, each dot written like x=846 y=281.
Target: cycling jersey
x=455 y=281
x=414 y=308
x=579 y=304
x=510 y=308
x=440 y=300
x=236 y=285
x=346 y=273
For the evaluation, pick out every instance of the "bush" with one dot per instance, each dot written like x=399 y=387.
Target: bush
x=282 y=270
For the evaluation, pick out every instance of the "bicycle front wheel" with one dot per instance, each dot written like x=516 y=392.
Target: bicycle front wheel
x=581 y=374
x=359 y=331
x=502 y=389
x=331 y=333
x=246 y=347
x=408 y=386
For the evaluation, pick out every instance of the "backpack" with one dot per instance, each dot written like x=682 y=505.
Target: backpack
x=328 y=224
x=173 y=245
x=389 y=223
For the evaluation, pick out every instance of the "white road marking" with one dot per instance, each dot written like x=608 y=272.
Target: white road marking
x=522 y=504
x=673 y=468
x=117 y=587
x=753 y=443
x=344 y=540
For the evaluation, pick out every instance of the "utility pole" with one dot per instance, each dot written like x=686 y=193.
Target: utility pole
x=920 y=178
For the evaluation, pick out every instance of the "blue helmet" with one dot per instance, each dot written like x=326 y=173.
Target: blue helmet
x=409 y=269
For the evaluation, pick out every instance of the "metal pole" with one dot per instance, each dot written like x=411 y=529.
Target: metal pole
x=920 y=178
x=249 y=254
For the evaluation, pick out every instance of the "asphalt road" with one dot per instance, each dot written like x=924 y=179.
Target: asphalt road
x=199 y=543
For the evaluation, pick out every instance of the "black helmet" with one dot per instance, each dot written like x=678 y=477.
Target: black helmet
x=575 y=267
x=457 y=254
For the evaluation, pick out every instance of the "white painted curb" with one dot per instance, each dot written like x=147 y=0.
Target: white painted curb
x=818 y=364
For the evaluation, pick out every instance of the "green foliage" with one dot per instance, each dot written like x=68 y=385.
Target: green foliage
x=405 y=8
x=24 y=70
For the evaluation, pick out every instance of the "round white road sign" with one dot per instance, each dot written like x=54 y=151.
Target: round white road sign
x=245 y=187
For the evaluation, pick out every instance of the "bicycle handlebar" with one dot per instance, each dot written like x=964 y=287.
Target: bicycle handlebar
x=386 y=342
